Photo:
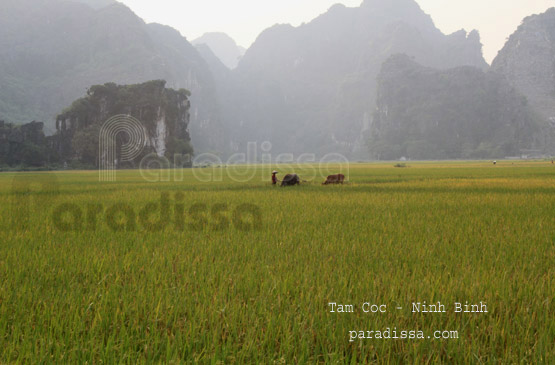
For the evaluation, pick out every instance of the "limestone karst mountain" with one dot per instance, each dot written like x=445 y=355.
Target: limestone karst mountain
x=164 y=114
x=51 y=51
x=312 y=88
x=528 y=63
x=463 y=112
x=223 y=46
x=316 y=88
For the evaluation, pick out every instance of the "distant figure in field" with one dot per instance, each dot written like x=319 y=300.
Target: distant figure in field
x=495 y=162
x=291 y=180
x=334 y=179
x=274 y=178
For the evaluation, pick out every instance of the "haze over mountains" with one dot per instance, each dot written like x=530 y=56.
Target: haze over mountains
x=333 y=85
x=313 y=88
x=52 y=51
x=223 y=46
x=528 y=63
x=460 y=112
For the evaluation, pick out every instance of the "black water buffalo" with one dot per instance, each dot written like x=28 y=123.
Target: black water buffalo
x=290 y=180
x=335 y=179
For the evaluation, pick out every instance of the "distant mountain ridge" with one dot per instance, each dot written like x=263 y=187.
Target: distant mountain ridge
x=336 y=84
x=312 y=88
x=528 y=62
x=96 y=4
x=223 y=46
x=51 y=51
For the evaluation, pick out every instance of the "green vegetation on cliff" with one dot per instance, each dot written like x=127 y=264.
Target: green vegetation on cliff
x=25 y=145
x=528 y=62
x=52 y=51
x=463 y=112
x=163 y=112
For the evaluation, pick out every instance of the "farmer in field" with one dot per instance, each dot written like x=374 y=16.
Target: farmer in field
x=274 y=177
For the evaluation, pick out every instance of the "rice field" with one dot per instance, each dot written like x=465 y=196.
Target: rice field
x=202 y=267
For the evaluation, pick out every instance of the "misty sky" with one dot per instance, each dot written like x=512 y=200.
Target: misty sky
x=243 y=20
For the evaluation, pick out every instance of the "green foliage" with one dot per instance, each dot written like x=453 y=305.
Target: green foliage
x=32 y=155
x=177 y=146
x=425 y=114
x=148 y=102
x=85 y=144
x=25 y=146
x=49 y=56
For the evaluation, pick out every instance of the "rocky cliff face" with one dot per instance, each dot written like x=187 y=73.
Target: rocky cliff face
x=528 y=63
x=312 y=88
x=163 y=112
x=425 y=113
x=53 y=50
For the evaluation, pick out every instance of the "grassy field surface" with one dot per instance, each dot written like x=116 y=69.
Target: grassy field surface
x=135 y=271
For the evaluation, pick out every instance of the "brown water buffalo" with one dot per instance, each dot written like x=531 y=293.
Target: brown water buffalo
x=335 y=179
x=290 y=180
